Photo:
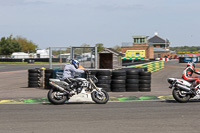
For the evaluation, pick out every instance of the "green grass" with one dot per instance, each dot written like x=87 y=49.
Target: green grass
x=23 y=63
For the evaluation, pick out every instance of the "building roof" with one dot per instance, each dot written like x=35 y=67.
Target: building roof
x=157 y=39
x=118 y=53
x=112 y=51
x=160 y=50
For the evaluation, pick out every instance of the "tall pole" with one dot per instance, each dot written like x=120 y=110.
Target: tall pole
x=71 y=53
x=50 y=58
x=96 y=58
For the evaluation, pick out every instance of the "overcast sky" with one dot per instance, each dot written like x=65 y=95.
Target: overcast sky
x=51 y=23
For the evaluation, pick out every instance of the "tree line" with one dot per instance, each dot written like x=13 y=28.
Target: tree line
x=185 y=48
x=11 y=44
x=8 y=45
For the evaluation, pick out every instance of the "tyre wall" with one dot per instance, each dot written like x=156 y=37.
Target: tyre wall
x=34 y=77
x=104 y=79
x=48 y=75
x=121 y=80
x=151 y=66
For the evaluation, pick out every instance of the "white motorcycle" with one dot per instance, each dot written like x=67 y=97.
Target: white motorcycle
x=182 y=91
x=59 y=93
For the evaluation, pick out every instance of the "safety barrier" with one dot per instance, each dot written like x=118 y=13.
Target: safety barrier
x=163 y=59
x=151 y=66
x=121 y=80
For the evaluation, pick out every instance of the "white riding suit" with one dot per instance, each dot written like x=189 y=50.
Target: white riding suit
x=70 y=70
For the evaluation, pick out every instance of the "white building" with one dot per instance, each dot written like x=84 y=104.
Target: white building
x=39 y=54
x=42 y=53
x=22 y=55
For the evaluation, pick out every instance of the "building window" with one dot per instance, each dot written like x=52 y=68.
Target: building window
x=162 y=46
x=141 y=40
x=136 y=40
x=137 y=54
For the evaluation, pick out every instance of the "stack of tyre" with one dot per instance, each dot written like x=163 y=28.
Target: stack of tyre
x=93 y=72
x=34 y=77
x=48 y=75
x=104 y=79
x=118 y=83
x=132 y=79
x=145 y=81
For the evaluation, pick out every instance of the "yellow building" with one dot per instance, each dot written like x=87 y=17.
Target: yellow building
x=140 y=54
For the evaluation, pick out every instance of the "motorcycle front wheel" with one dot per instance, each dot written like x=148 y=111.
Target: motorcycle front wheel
x=55 y=97
x=179 y=96
x=100 y=97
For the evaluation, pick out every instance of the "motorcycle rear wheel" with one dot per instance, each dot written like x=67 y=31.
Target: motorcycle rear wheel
x=100 y=98
x=180 y=98
x=56 y=99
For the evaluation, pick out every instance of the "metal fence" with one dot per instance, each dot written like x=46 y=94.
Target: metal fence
x=87 y=56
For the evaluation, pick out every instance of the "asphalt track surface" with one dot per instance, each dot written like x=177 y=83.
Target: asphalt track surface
x=119 y=117
x=158 y=116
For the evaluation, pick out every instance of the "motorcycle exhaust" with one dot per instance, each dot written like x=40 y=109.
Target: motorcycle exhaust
x=58 y=87
x=184 y=88
x=189 y=93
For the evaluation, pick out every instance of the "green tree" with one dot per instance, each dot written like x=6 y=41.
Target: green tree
x=27 y=46
x=185 y=48
x=9 y=45
x=117 y=48
x=86 y=50
x=99 y=46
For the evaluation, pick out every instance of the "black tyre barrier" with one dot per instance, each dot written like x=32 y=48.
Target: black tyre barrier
x=132 y=77
x=103 y=73
x=119 y=77
x=104 y=77
x=144 y=85
x=132 y=89
x=118 y=73
x=34 y=77
x=118 y=85
x=132 y=85
x=34 y=71
x=144 y=81
x=32 y=85
x=132 y=81
x=104 y=81
x=118 y=81
x=119 y=89
x=48 y=71
x=105 y=87
x=144 y=89
x=93 y=72
x=132 y=72
x=144 y=73
x=48 y=75
x=145 y=77
x=33 y=82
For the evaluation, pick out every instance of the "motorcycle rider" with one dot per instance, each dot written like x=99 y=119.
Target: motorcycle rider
x=187 y=73
x=69 y=72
